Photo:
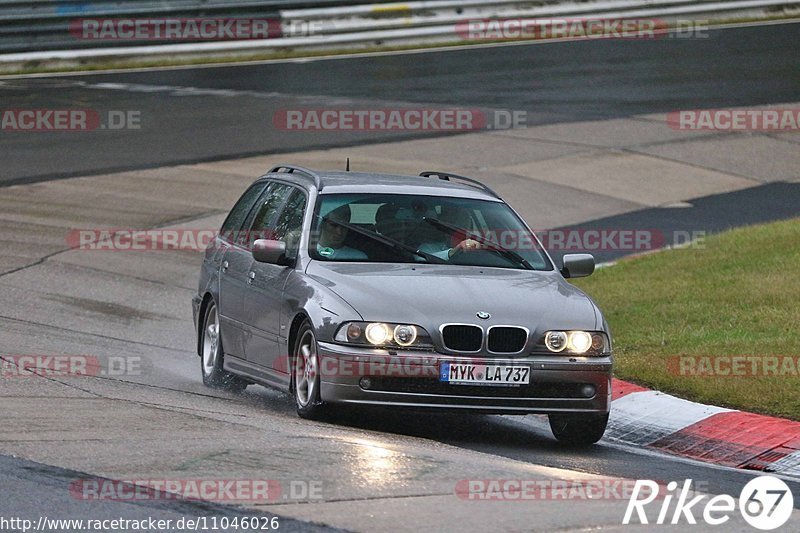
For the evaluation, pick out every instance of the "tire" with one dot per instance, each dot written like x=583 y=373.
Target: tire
x=305 y=374
x=578 y=429
x=211 y=355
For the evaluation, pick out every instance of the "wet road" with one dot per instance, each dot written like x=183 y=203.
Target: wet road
x=380 y=470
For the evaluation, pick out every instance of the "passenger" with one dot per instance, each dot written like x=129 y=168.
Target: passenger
x=387 y=223
x=332 y=237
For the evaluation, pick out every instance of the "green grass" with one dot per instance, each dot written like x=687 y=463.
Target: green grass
x=738 y=293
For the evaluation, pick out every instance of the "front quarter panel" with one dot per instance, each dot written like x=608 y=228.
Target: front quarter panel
x=324 y=308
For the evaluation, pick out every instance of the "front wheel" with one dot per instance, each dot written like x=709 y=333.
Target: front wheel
x=578 y=429
x=305 y=374
x=214 y=375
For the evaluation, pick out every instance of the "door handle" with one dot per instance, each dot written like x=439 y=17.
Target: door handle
x=251 y=277
x=224 y=266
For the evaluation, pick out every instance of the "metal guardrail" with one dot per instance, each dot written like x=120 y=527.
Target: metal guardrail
x=45 y=24
x=355 y=18
x=39 y=30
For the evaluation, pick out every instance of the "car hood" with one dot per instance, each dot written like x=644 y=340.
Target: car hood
x=430 y=295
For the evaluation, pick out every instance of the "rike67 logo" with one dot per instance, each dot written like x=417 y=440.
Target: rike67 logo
x=766 y=503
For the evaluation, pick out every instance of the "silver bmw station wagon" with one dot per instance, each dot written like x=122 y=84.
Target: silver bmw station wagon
x=426 y=292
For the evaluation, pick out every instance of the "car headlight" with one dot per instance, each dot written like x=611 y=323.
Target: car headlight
x=577 y=342
x=556 y=341
x=377 y=333
x=384 y=334
x=405 y=335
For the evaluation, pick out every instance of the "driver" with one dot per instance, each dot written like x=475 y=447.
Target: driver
x=459 y=217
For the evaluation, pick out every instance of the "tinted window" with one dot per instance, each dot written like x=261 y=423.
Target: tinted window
x=239 y=212
x=264 y=213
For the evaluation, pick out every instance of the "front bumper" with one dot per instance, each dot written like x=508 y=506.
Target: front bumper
x=411 y=379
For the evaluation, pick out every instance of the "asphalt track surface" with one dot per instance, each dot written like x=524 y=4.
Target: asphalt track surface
x=558 y=82
x=199 y=114
x=38 y=488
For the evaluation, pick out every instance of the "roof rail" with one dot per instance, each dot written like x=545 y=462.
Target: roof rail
x=291 y=169
x=446 y=176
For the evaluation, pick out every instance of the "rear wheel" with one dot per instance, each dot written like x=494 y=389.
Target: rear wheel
x=214 y=375
x=578 y=429
x=305 y=374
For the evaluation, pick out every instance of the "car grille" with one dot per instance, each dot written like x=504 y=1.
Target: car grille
x=504 y=339
x=434 y=386
x=462 y=338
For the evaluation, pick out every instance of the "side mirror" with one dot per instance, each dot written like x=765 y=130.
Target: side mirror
x=266 y=251
x=577 y=265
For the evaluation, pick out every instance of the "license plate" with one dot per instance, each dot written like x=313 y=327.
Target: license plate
x=471 y=374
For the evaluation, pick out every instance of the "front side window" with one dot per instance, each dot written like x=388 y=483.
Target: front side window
x=289 y=223
x=412 y=228
x=263 y=214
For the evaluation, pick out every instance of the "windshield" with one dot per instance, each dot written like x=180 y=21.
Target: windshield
x=397 y=228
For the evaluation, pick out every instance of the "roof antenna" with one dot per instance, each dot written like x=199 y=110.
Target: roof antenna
x=348 y=165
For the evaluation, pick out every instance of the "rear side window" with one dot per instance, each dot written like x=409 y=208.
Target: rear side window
x=236 y=217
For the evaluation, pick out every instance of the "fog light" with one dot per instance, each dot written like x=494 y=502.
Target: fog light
x=366 y=383
x=588 y=391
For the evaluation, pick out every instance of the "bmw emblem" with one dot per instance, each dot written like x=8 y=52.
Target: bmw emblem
x=483 y=315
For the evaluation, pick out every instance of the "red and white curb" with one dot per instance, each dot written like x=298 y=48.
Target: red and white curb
x=653 y=420
x=705 y=433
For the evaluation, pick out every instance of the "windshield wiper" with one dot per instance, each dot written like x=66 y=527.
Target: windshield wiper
x=508 y=254
x=386 y=241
